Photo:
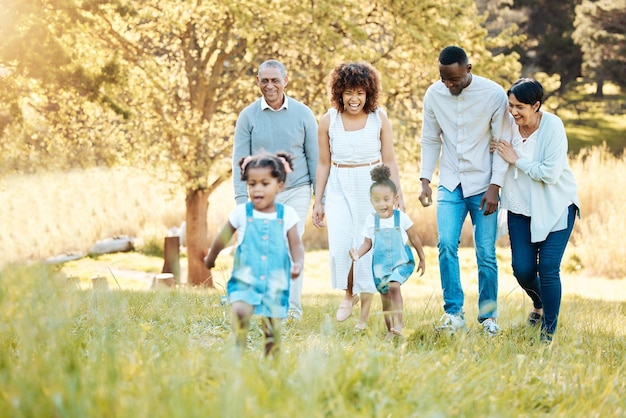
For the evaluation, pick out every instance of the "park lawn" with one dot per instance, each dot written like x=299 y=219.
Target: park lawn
x=128 y=352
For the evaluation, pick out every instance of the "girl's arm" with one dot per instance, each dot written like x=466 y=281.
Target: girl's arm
x=218 y=245
x=417 y=243
x=297 y=251
x=389 y=159
x=323 y=170
x=355 y=253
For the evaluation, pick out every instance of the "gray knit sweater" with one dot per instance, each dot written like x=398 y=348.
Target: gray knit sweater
x=293 y=130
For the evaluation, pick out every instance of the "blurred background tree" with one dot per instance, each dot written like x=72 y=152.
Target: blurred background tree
x=159 y=84
x=601 y=34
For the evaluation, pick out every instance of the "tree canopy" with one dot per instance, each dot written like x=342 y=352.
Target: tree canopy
x=160 y=83
x=601 y=34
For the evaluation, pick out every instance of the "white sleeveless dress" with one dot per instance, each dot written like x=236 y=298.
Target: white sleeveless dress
x=348 y=199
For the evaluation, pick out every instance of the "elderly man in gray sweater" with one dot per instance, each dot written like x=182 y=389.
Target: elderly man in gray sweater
x=272 y=123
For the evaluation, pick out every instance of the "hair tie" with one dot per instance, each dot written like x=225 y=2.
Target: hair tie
x=285 y=165
x=245 y=162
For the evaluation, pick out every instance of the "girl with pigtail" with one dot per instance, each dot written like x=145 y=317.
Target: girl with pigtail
x=387 y=231
x=267 y=235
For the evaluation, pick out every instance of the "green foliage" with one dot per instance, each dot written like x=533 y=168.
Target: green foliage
x=171 y=96
x=590 y=121
x=600 y=27
x=71 y=352
x=549 y=46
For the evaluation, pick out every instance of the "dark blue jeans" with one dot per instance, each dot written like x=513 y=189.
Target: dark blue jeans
x=537 y=265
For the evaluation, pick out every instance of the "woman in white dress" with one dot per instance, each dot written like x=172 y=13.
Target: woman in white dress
x=354 y=136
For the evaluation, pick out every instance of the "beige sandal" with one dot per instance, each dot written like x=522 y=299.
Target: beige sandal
x=345 y=308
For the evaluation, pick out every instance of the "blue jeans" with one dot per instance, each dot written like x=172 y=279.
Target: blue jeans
x=537 y=265
x=452 y=209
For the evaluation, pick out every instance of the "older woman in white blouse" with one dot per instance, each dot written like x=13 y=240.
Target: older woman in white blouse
x=540 y=195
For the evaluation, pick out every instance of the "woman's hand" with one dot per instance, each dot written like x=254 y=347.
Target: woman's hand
x=506 y=151
x=318 y=215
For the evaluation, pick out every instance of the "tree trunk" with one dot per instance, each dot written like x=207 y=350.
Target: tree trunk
x=197 y=205
x=600 y=88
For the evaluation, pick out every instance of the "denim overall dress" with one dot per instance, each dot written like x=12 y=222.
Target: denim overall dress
x=392 y=260
x=261 y=269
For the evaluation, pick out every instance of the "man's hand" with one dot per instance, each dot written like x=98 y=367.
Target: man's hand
x=208 y=263
x=490 y=200
x=426 y=196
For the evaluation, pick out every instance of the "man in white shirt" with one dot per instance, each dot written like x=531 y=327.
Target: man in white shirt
x=462 y=114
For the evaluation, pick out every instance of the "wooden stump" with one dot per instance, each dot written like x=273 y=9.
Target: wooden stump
x=100 y=283
x=171 y=256
x=164 y=280
x=73 y=281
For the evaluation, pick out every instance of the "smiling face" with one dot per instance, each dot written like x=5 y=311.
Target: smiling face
x=455 y=76
x=524 y=114
x=384 y=200
x=354 y=99
x=263 y=188
x=272 y=84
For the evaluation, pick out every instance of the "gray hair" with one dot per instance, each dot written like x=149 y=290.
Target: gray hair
x=275 y=64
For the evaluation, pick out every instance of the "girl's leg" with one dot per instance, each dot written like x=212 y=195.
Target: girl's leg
x=241 y=313
x=386 y=302
x=271 y=332
x=397 y=306
x=366 y=303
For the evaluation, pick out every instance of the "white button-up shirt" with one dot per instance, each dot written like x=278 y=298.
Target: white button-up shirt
x=460 y=128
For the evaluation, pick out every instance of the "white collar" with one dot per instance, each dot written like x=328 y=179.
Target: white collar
x=264 y=104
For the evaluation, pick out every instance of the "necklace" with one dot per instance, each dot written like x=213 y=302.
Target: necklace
x=526 y=133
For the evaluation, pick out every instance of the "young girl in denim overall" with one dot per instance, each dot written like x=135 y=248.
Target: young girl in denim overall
x=267 y=236
x=387 y=232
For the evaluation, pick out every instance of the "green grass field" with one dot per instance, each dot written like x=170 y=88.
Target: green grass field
x=67 y=350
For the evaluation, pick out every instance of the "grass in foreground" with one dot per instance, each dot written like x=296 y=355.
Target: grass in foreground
x=75 y=353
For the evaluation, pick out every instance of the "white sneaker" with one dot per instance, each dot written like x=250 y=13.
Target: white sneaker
x=452 y=323
x=490 y=327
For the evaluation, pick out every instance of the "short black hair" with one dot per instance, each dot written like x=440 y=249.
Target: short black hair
x=453 y=55
x=528 y=91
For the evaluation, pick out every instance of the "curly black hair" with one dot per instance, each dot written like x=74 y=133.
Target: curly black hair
x=354 y=75
x=381 y=176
